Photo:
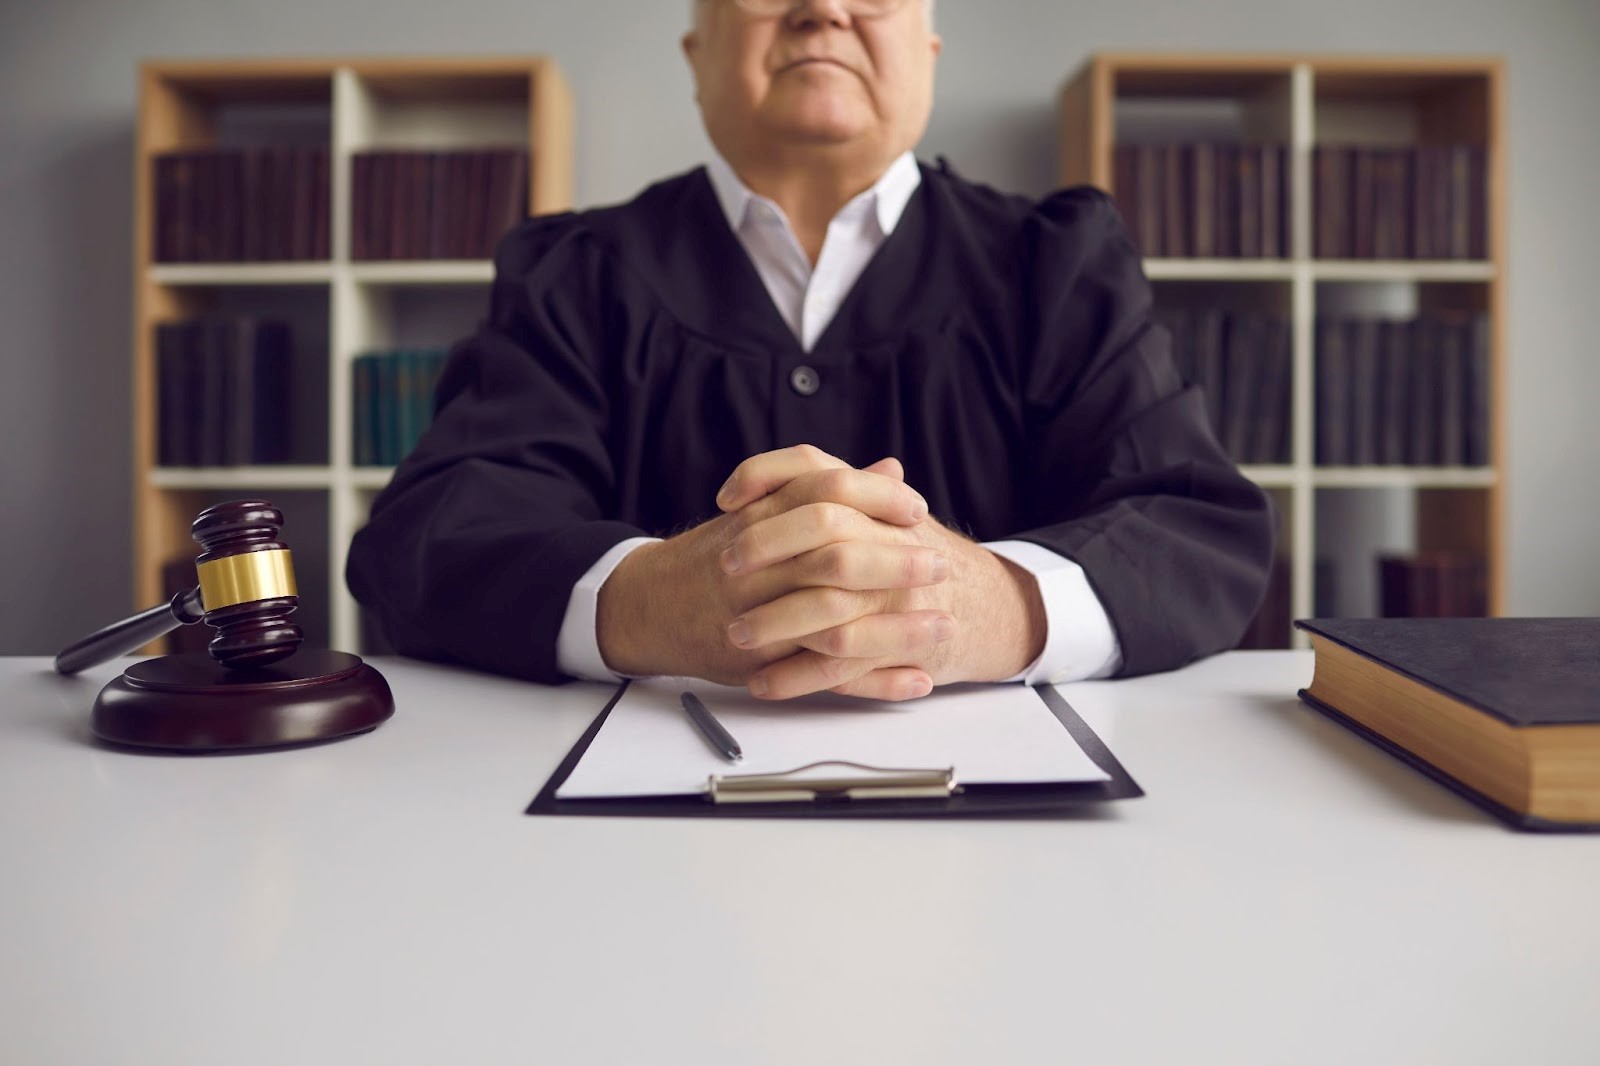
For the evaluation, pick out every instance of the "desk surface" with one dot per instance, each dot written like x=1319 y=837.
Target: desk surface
x=1284 y=893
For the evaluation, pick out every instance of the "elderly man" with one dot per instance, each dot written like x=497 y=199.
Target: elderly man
x=897 y=429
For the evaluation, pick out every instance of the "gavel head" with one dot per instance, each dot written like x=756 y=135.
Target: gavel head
x=246 y=583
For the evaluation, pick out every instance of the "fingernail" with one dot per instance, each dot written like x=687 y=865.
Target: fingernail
x=919 y=689
x=943 y=629
x=725 y=493
x=758 y=686
x=730 y=560
x=919 y=509
x=941 y=568
x=739 y=633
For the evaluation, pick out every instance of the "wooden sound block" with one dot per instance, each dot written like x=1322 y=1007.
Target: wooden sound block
x=191 y=703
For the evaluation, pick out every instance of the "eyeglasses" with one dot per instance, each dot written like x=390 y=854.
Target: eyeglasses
x=864 y=9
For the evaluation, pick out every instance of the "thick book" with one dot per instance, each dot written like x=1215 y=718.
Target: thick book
x=1505 y=711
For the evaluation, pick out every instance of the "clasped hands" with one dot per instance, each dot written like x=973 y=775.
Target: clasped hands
x=819 y=576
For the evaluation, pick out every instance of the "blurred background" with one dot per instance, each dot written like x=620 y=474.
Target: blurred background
x=68 y=75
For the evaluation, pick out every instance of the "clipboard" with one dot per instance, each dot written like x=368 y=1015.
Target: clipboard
x=896 y=792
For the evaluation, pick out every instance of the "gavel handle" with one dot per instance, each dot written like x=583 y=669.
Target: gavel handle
x=131 y=633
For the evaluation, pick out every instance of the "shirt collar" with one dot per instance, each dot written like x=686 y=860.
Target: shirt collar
x=888 y=196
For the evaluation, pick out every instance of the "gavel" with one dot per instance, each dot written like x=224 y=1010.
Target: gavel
x=255 y=687
x=246 y=592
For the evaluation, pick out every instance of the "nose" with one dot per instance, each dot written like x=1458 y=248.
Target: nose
x=807 y=13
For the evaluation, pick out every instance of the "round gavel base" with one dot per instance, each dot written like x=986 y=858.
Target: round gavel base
x=191 y=703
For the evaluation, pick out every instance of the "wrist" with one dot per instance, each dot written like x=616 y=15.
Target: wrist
x=622 y=610
x=1006 y=624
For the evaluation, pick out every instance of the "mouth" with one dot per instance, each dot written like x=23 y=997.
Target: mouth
x=812 y=61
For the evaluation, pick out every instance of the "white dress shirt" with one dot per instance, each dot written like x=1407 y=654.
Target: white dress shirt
x=1080 y=642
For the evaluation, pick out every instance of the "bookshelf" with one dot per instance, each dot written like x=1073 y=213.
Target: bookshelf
x=1318 y=111
x=337 y=306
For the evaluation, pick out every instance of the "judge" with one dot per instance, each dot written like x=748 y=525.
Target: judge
x=817 y=416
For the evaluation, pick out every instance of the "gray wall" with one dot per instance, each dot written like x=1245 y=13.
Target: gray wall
x=67 y=79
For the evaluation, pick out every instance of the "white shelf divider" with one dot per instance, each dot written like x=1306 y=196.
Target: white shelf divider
x=437 y=272
x=220 y=274
x=241 y=477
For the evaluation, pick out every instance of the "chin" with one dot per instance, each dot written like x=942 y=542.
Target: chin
x=822 y=125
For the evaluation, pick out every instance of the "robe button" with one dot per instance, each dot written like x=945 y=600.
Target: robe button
x=804 y=380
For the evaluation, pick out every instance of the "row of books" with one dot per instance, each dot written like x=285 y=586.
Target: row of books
x=242 y=204
x=1242 y=362
x=1414 y=392
x=1433 y=584
x=222 y=390
x=1205 y=200
x=436 y=205
x=392 y=402
x=1413 y=202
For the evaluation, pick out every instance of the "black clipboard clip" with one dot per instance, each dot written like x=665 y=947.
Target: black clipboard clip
x=874 y=782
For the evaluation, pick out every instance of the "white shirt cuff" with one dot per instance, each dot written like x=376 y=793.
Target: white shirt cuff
x=1080 y=642
x=578 y=643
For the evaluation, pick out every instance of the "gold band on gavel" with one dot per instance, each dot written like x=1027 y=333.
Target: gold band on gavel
x=246 y=577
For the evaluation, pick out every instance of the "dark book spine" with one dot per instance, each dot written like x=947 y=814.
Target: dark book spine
x=272 y=348
x=238 y=341
x=419 y=204
x=1364 y=360
x=216 y=384
x=230 y=205
x=1394 y=400
x=1175 y=200
x=477 y=206
x=1460 y=199
x=388 y=409
x=1241 y=378
x=1323 y=181
x=360 y=206
x=303 y=208
x=1202 y=163
x=399 y=206
x=363 y=399
x=322 y=205
x=204 y=192
x=1420 y=198
x=1274 y=198
x=1364 y=197
x=250 y=234
x=1475 y=414
x=381 y=233
x=1124 y=190
x=1152 y=222
x=1225 y=199
x=1333 y=393
x=1246 y=179
x=1423 y=429
x=1453 y=360
x=1270 y=438
x=173 y=405
x=163 y=237
x=194 y=392
x=1478 y=238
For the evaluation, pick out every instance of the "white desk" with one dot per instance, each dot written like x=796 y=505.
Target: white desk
x=1284 y=894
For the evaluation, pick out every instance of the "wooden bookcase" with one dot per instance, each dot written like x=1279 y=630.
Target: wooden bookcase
x=1345 y=515
x=339 y=307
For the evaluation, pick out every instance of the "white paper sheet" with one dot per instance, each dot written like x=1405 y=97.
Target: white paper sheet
x=990 y=734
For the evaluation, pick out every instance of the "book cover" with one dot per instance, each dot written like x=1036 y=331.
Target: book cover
x=1503 y=711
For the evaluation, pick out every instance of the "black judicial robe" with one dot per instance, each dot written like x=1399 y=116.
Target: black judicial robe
x=1003 y=350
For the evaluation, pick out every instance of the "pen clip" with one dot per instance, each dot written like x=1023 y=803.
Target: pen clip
x=786 y=787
